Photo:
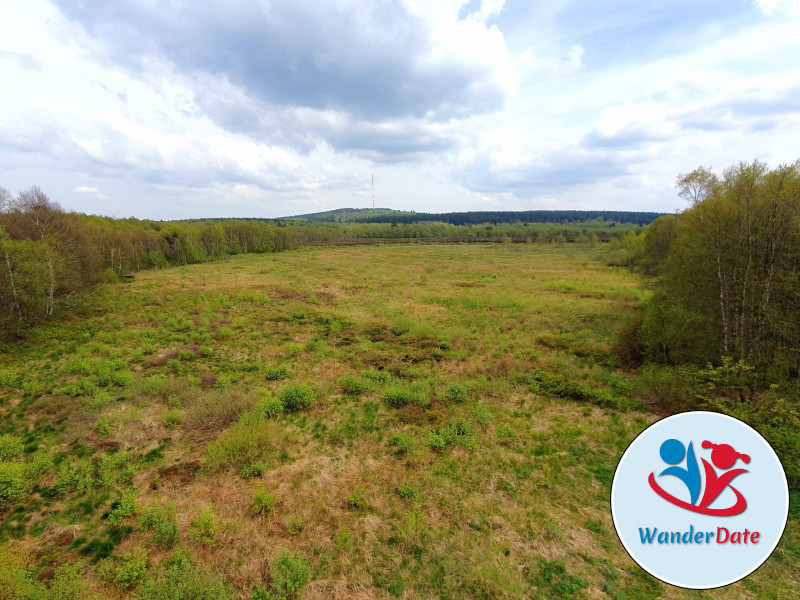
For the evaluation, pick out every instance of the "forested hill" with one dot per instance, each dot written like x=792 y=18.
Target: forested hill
x=386 y=215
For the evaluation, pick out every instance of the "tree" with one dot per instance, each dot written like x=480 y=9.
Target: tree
x=697 y=185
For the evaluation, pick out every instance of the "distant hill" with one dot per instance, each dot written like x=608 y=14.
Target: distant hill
x=388 y=215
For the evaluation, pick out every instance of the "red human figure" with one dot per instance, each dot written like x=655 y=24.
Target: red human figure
x=724 y=457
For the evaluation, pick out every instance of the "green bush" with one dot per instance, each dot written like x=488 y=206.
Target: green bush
x=11 y=447
x=205 y=527
x=103 y=427
x=353 y=386
x=289 y=575
x=357 y=500
x=171 y=419
x=257 y=469
x=124 y=507
x=125 y=572
x=243 y=444
x=295 y=397
x=399 y=396
x=458 y=432
x=163 y=525
x=13 y=483
x=276 y=373
x=262 y=501
x=402 y=443
x=179 y=579
x=456 y=393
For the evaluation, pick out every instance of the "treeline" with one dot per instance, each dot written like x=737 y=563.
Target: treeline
x=303 y=232
x=722 y=328
x=481 y=217
x=49 y=258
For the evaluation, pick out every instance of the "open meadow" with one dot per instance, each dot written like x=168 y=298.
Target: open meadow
x=409 y=421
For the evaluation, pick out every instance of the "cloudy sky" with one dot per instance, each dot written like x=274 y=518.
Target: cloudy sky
x=172 y=108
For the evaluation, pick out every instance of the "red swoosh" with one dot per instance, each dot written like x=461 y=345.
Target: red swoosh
x=737 y=508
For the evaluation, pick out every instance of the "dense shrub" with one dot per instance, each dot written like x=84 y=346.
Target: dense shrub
x=13 y=483
x=295 y=397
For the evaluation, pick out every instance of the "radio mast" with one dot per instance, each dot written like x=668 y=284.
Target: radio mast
x=373 y=191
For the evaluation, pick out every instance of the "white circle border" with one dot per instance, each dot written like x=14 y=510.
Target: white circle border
x=700 y=587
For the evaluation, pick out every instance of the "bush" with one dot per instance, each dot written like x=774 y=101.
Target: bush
x=214 y=411
x=276 y=373
x=458 y=432
x=399 y=396
x=103 y=427
x=179 y=579
x=243 y=444
x=456 y=393
x=262 y=501
x=288 y=575
x=295 y=397
x=13 y=483
x=171 y=419
x=268 y=406
x=402 y=443
x=10 y=447
x=357 y=500
x=204 y=528
x=163 y=525
x=353 y=386
x=123 y=572
x=124 y=507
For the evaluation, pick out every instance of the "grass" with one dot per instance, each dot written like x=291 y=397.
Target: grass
x=426 y=421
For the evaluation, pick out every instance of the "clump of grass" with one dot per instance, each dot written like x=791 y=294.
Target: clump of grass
x=257 y=469
x=267 y=407
x=295 y=397
x=399 y=396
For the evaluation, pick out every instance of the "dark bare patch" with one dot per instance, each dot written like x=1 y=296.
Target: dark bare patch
x=180 y=474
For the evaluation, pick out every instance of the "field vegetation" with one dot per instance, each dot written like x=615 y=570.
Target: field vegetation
x=387 y=421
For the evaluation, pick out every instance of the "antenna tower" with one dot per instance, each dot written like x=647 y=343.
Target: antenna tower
x=373 y=191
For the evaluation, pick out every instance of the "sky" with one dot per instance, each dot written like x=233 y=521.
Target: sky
x=169 y=109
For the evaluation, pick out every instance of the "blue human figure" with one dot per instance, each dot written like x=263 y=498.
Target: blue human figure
x=672 y=452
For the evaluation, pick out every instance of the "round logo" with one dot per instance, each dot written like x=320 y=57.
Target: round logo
x=699 y=500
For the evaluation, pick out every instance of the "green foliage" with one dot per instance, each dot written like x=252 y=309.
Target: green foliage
x=125 y=572
x=205 y=527
x=267 y=407
x=13 y=483
x=402 y=443
x=262 y=501
x=243 y=444
x=353 y=385
x=458 y=432
x=295 y=397
x=400 y=396
x=456 y=393
x=179 y=579
x=256 y=469
x=357 y=500
x=276 y=373
x=123 y=508
x=163 y=525
x=288 y=576
x=11 y=447
x=171 y=419
x=552 y=581
x=103 y=427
